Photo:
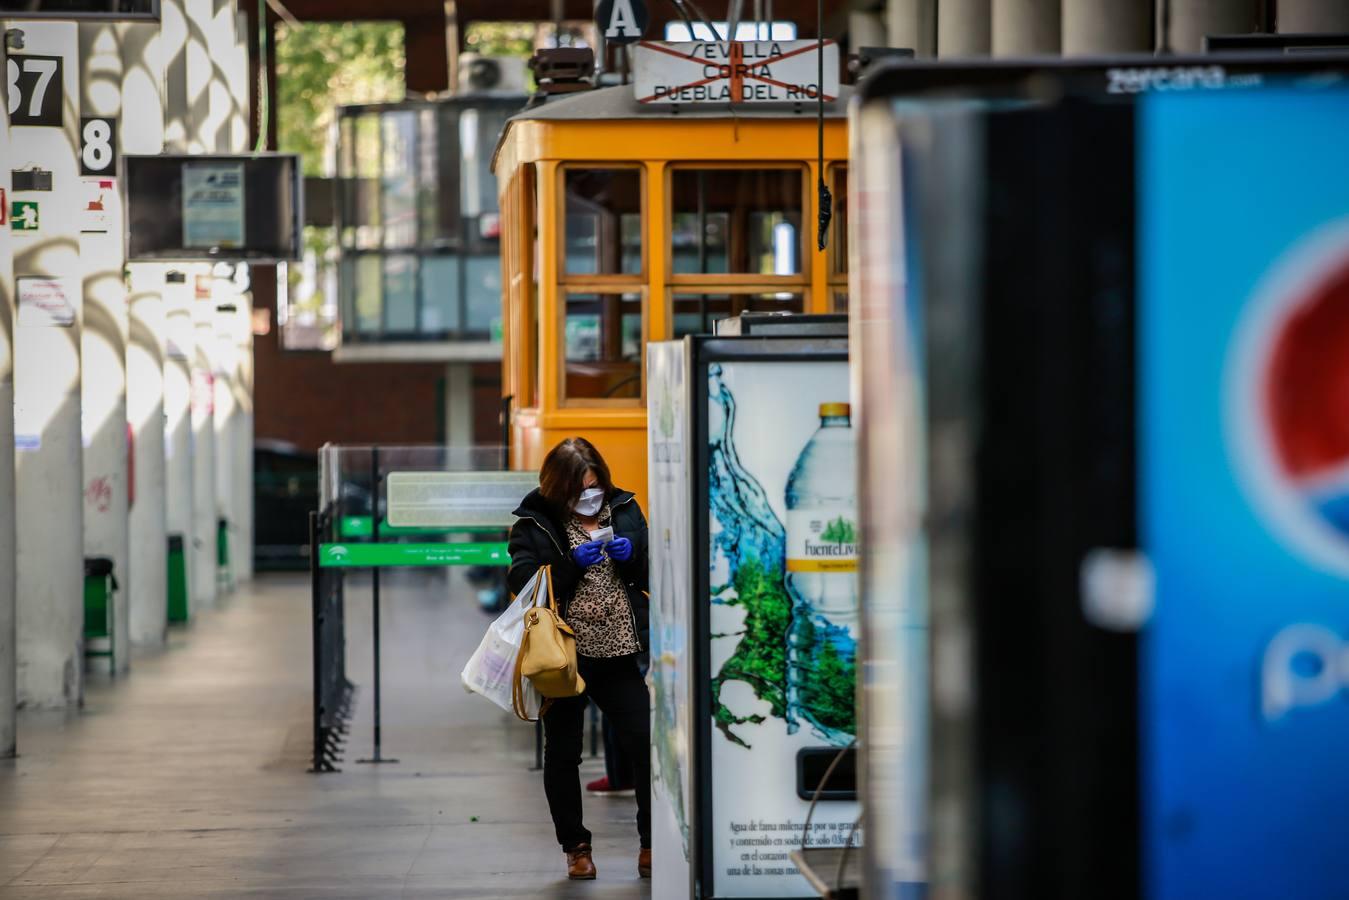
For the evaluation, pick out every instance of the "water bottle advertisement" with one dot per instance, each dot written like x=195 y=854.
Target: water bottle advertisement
x=671 y=669
x=783 y=613
x=1245 y=473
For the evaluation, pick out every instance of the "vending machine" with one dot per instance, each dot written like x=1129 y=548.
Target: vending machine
x=1106 y=366
x=755 y=615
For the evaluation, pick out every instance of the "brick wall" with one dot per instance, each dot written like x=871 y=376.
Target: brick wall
x=303 y=397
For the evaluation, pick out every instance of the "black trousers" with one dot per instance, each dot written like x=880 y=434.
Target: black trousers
x=617 y=687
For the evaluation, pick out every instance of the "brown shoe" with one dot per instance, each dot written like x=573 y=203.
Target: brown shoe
x=580 y=867
x=644 y=862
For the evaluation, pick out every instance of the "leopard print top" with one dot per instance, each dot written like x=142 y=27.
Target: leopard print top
x=599 y=613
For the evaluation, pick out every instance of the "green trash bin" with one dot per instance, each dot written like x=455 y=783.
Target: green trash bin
x=100 y=587
x=224 y=578
x=177 y=579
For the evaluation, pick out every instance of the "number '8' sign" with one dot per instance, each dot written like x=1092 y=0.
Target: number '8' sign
x=98 y=146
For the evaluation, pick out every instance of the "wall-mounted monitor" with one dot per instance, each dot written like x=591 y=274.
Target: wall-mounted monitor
x=79 y=9
x=214 y=207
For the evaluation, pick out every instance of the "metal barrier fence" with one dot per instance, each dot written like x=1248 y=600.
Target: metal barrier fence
x=333 y=691
x=384 y=507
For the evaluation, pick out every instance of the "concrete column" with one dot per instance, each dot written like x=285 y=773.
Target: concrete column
x=1028 y=27
x=204 y=509
x=146 y=584
x=239 y=84
x=913 y=24
x=225 y=419
x=220 y=43
x=173 y=46
x=1192 y=20
x=459 y=405
x=1313 y=16
x=243 y=382
x=179 y=348
x=8 y=662
x=963 y=28
x=1096 y=27
x=49 y=507
x=104 y=336
x=243 y=435
x=203 y=124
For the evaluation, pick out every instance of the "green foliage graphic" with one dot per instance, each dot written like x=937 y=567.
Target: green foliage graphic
x=760 y=659
x=839 y=531
x=826 y=686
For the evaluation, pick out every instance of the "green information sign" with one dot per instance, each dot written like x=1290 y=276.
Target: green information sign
x=379 y=555
x=24 y=215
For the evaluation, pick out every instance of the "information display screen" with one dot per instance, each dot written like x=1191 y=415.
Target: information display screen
x=214 y=207
x=80 y=9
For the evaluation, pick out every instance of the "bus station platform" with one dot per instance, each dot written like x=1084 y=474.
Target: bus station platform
x=188 y=779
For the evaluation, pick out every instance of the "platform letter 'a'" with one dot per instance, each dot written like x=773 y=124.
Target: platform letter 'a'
x=622 y=21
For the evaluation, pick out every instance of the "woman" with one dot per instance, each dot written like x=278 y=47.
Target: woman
x=600 y=587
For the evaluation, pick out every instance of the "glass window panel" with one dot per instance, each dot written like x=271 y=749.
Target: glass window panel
x=478 y=133
x=482 y=286
x=841 y=302
x=399 y=179
x=603 y=346
x=440 y=295
x=428 y=182
x=400 y=294
x=601 y=207
x=736 y=221
x=698 y=313
x=369 y=299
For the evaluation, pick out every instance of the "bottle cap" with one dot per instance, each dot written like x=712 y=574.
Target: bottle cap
x=834 y=410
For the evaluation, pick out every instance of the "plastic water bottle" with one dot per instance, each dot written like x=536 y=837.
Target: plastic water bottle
x=821 y=501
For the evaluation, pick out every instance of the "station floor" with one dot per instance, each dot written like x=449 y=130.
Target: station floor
x=187 y=778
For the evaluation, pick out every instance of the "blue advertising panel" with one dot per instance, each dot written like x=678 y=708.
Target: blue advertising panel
x=1244 y=492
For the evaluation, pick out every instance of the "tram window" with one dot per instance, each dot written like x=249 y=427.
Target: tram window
x=699 y=313
x=741 y=221
x=603 y=222
x=839 y=242
x=603 y=346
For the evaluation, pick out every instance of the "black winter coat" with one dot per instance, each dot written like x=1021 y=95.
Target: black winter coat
x=539 y=538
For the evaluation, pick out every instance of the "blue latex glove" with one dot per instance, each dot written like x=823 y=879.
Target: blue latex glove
x=620 y=549
x=588 y=554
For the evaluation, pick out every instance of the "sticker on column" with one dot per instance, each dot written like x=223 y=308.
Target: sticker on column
x=27 y=443
x=25 y=216
x=98 y=193
x=46 y=302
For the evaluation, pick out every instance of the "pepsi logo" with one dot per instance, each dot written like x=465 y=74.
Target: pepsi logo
x=1288 y=399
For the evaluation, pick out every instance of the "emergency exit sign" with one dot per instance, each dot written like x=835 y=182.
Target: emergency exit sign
x=734 y=72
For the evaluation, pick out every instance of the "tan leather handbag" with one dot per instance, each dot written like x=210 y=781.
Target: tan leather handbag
x=547 y=654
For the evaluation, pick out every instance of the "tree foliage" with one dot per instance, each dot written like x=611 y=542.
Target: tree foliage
x=322 y=65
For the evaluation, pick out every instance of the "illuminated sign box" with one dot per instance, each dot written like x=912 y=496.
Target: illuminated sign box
x=246 y=207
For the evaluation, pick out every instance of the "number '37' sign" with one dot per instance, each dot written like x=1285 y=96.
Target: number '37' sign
x=35 y=90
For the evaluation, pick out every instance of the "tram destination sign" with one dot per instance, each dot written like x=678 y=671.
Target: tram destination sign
x=734 y=72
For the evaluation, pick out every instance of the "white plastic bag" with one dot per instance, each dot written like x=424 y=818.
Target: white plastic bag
x=491 y=668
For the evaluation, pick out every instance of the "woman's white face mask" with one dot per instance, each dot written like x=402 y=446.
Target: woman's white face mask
x=590 y=502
